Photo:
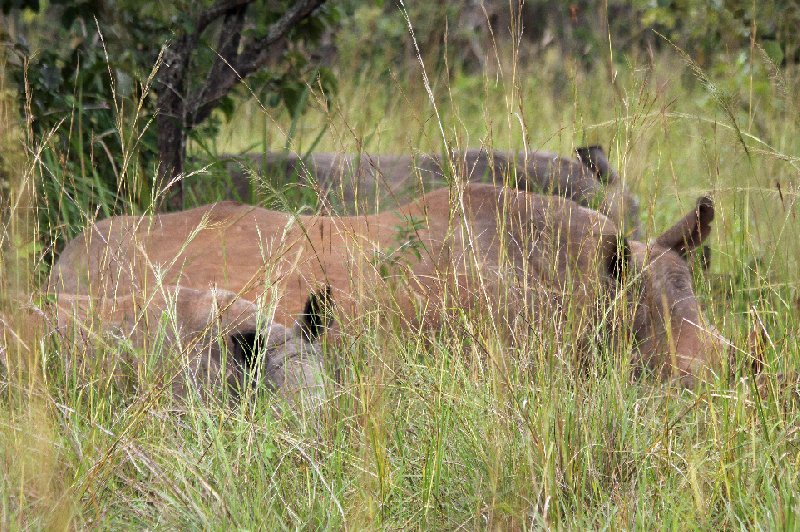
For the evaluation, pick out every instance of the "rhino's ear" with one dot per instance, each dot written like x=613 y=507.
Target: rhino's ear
x=594 y=158
x=619 y=259
x=691 y=230
x=245 y=347
x=317 y=315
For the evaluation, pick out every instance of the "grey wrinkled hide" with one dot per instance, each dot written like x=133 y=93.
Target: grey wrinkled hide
x=369 y=183
x=187 y=328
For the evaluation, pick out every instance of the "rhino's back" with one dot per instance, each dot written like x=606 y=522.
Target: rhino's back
x=107 y=256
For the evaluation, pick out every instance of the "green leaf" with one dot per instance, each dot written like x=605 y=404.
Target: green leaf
x=774 y=51
x=227 y=106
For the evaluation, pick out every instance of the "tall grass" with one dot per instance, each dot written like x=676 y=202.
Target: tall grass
x=434 y=430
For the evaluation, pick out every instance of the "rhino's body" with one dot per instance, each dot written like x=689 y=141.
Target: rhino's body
x=369 y=183
x=525 y=260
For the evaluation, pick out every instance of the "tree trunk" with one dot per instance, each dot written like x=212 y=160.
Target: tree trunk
x=171 y=123
x=171 y=143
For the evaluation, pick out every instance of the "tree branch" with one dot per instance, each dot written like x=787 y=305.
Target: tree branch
x=227 y=49
x=217 y=10
x=252 y=58
x=257 y=53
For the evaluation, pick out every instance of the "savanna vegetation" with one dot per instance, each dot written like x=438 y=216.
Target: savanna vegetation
x=435 y=429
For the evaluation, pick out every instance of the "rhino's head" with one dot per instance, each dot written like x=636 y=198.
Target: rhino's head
x=212 y=336
x=671 y=334
x=288 y=359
